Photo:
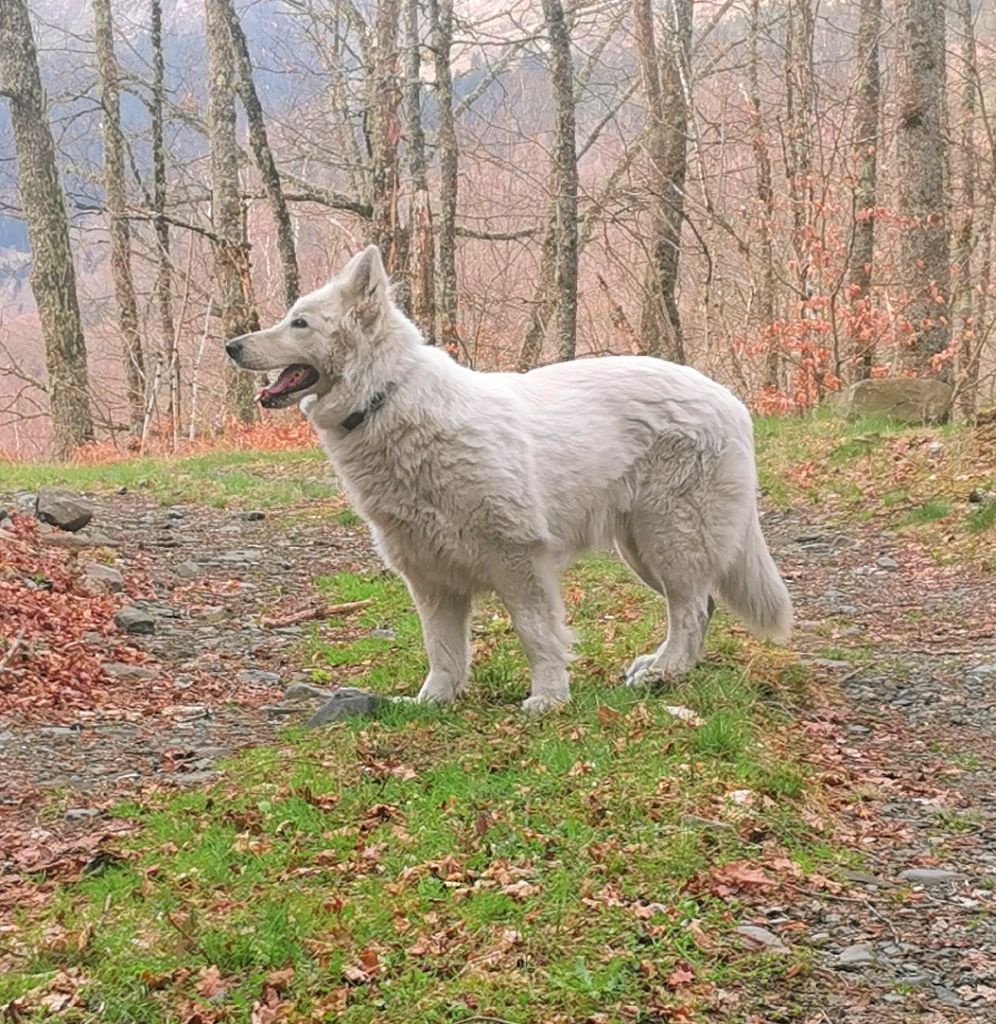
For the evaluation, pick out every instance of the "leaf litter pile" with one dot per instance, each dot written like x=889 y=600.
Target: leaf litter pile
x=48 y=664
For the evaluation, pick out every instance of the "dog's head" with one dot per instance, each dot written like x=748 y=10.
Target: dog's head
x=314 y=343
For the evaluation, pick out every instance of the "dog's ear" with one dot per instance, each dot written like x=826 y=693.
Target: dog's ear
x=364 y=287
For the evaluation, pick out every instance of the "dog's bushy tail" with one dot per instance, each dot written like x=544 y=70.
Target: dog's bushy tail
x=754 y=591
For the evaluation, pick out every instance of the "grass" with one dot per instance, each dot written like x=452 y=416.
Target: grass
x=432 y=865
x=217 y=479
x=916 y=481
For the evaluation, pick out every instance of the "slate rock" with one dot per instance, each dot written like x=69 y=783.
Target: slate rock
x=257 y=677
x=122 y=670
x=62 y=508
x=187 y=570
x=930 y=876
x=761 y=939
x=903 y=399
x=82 y=813
x=110 y=579
x=855 y=957
x=254 y=516
x=346 y=702
x=135 y=620
x=305 y=691
x=384 y=634
x=887 y=562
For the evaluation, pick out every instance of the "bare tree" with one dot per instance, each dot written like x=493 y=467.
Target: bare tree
x=921 y=176
x=169 y=353
x=53 y=278
x=108 y=87
x=566 y=161
x=385 y=134
x=866 y=146
x=233 y=282
x=421 y=243
x=263 y=154
x=441 y=19
x=664 y=75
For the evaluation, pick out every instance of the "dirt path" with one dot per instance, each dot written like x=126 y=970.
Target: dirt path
x=209 y=579
x=909 y=731
x=904 y=735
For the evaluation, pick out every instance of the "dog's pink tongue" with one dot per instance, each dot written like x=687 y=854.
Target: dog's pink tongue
x=290 y=379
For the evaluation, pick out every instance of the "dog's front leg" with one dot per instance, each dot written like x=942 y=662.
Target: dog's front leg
x=445 y=618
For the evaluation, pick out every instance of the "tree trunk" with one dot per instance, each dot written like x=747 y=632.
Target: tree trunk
x=566 y=162
x=385 y=133
x=766 y=206
x=866 y=119
x=263 y=155
x=169 y=352
x=964 y=240
x=921 y=175
x=116 y=200
x=53 y=279
x=441 y=18
x=664 y=79
x=421 y=245
x=233 y=284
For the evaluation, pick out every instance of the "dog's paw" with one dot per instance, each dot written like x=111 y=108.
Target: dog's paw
x=639 y=672
x=430 y=694
x=541 y=703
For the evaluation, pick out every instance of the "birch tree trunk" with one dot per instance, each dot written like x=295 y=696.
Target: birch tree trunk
x=920 y=169
x=866 y=138
x=421 y=242
x=385 y=134
x=441 y=18
x=566 y=163
x=233 y=284
x=53 y=278
x=263 y=155
x=116 y=200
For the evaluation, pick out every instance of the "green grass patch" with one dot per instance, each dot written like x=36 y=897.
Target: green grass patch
x=433 y=865
x=218 y=479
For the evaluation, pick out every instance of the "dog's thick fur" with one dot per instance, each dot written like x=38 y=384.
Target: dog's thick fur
x=496 y=481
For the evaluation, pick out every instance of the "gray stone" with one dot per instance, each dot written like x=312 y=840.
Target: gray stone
x=62 y=508
x=122 y=670
x=761 y=939
x=855 y=957
x=986 y=671
x=384 y=634
x=239 y=557
x=819 y=938
x=254 y=516
x=96 y=538
x=187 y=570
x=887 y=562
x=345 y=703
x=903 y=399
x=135 y=620
x=930 y=876
x=305 y=691
x=280 y=710
x=60 y=731
x=110 y=579
x=981 y=497
x=257 y=677
x=82 y=813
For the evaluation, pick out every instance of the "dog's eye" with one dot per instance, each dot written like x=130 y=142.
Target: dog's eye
x=299 y=321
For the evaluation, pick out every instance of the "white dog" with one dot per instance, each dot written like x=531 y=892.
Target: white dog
x=496 y=481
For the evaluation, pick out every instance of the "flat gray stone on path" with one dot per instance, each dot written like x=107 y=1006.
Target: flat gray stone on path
x=108 y=578
x=930 y=876
x=861 y=954
x=255 y=676
x=305 y=691
x=348 y=702
x=62 y=508
x=135 y=620
x=761 y=939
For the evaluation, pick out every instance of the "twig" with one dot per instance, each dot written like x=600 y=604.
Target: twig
x=9 y=653
x=316 y=612
x=884 y=920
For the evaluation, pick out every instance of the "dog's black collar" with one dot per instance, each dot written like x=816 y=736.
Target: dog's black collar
x=354 y=419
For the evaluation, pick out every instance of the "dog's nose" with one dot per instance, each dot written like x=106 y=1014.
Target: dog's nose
x=234 y=348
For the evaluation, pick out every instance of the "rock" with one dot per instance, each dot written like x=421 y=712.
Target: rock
x=819 y=938
x=183 y=682
x=257 y=677
x=384 y=634
x=254 y=516
x=305 y=691
x=761 y=939
x=887 y=562
x=981 y=497
x=122 y=670
x=345 y=703
x=213 y=616
x=187 y=570
x=239 y=557
x=855 y=957
x=985 y=671
x=903 y=399
x=60 y=731
x=135 y=620
x=110 y=579
x=930 y=876
x=62 y=508
x=175 y=512
x=82 y=813
x=279 y=710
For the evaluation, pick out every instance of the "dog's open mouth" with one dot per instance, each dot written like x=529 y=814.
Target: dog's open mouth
x=291 y=380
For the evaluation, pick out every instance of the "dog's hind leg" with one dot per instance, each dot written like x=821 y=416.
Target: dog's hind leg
x=532 y=595
x=445 y=618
